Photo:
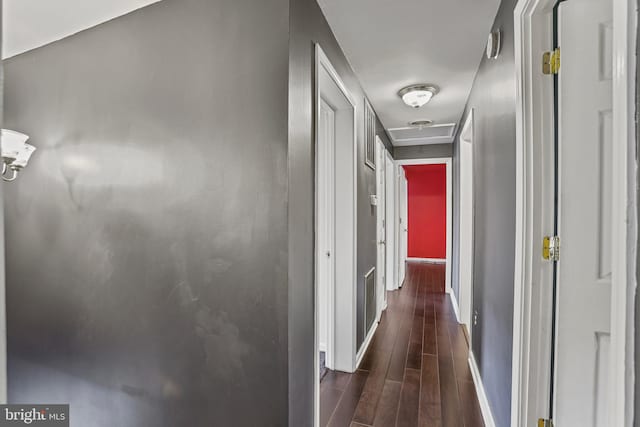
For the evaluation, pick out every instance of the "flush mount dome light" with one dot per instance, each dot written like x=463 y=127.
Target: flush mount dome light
x=417 y=95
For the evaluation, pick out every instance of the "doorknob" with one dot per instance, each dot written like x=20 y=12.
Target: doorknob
x=382 y=242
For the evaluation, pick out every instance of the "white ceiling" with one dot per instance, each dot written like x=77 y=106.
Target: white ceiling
x=395 y=43
x=28 y=24
x=390 y=44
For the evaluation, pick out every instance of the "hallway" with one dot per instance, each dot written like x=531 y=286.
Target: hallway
x=415 y=372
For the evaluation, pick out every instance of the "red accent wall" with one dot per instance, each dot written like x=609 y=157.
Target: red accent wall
x=427 y=206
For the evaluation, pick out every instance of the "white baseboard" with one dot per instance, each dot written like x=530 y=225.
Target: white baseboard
x=432 y=260
x=482 y=396
x=454 y=303
x=365 y=344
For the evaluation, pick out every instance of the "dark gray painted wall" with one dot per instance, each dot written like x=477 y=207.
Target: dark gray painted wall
x=3 y=324
x=636 y=421
x=308 y=26
x=147 y=269
x=493 y=100
x=423 y=151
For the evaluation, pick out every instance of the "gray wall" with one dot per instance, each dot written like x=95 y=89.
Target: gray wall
x=637 y=187
x=308 y=26
x=423 y=151
x=3 y=323
x=493 y=100
x=147 y=240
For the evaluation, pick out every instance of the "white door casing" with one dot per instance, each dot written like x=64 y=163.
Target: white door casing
x=325 y=229
x=381 y=211
x=465 y=291
x=330 y=88
x=585 y=185
x=403 y=224
x=391 y=196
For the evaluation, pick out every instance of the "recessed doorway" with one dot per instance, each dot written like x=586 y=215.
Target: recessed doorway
x=442 y=244
x=335 y=225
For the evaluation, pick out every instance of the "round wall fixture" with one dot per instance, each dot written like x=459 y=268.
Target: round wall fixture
x=417 y=95
x=421 y=123
x=493 y=44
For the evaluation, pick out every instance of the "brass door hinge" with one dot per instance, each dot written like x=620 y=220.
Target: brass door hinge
x=543 y=422
x=551 y=62
x=551 y=248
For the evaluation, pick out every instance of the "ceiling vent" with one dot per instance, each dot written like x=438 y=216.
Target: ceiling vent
x=421 y=135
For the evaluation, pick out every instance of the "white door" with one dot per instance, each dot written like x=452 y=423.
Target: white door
x=584 y=222
x=403 y=224
x=381 y=213
x=325 y=231
x=466 y=223
x=391 y=271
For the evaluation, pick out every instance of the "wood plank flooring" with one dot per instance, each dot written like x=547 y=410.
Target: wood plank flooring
x=415 y=372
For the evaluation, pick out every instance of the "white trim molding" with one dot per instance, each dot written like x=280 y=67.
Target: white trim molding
x=466 y=237
x=456 y=307
x=431 y=260
x=365 y=345
x=624 y=215
x=533 y=278
x=367 y=340
x=485 y=408
x=530 y=356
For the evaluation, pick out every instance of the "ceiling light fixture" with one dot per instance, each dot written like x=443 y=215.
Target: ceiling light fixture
x=421 y=123
x=15 y=153
x=417 y=95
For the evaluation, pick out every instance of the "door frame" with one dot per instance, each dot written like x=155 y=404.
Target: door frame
x=344 y=338
x=328 y=238
x=402 y=191
x=465 y=290
x=448 y=162
x=534 y=153
x=392 y=219
x=381 y=206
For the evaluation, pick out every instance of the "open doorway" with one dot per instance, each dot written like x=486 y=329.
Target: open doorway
x=427 y=212
x=335 y=225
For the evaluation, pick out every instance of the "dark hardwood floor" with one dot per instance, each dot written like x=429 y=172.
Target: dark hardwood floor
x=415 y=372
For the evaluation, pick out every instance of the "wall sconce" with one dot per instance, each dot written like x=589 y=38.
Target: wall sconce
x=15 y=153
x=494 y=44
